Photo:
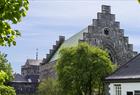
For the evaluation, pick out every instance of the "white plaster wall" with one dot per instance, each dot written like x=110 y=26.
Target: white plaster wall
x=125 y=87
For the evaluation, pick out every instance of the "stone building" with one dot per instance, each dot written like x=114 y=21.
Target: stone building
x=27 y=82
x=104 y=32
x=22 y=86
x=46 y=68
x=31 y=70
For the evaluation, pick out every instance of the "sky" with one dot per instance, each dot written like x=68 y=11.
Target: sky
x=46 y=20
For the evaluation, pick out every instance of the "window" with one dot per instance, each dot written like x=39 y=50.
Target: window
x=137 y=92
x=106 y=31
x=117 y=89
x=29 y=80
x=129 y=93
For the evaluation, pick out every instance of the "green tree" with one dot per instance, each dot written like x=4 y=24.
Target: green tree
x=139 y=1
x=81 y=69
x=49 y=87
x=11 y=11
x=5 y=90
x=5 y=66
x=5 y=76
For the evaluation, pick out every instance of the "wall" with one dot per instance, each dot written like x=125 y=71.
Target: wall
x=125 y=87
x=47 y=70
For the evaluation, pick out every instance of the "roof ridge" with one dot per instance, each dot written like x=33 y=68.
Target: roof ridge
x=124 y=64
x=75 y=36
x=77 y=33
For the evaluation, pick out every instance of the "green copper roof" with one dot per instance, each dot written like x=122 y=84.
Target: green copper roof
x=72 y=41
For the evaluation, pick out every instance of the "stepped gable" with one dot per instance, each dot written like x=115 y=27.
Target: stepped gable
x=54 y=50
x=104 y=32
x=72 y=41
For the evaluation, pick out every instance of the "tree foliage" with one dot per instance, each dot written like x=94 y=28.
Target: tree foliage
x=48 y=87
x=5 y=66
x=139 y=1
x=5 y=76
x=11 y=11
x=81 y=69
x=5 y=90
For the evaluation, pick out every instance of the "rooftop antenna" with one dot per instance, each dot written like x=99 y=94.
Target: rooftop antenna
x=37 y=54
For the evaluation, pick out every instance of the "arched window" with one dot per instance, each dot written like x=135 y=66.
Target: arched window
x=106 y=31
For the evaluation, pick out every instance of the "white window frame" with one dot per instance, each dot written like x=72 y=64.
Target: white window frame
x=117 y=89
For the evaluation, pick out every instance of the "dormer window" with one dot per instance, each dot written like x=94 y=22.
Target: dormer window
x=106 y=31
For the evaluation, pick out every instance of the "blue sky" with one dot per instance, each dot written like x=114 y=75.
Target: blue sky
x=47 y=19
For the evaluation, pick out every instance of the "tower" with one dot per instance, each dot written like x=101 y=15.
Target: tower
x=37 y=54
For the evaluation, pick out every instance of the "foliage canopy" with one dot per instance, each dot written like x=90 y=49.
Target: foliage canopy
x=139 y=1
x=11 y=11
x=49 y=86
x=5 y=66
x=82 y=69
x=5 y=90
x=5 y=76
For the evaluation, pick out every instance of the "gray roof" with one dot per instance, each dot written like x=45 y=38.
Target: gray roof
x=19 y=78
x=33 y=62
x=130 y=70
x=72 y=41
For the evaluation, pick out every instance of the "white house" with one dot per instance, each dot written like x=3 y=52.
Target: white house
x=126 y=79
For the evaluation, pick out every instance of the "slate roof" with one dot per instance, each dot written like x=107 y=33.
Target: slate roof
x=19 y=78
x=33 y=62
x=128 y=71
x=72 y=41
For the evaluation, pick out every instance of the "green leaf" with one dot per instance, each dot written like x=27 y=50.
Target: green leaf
x=14 y=43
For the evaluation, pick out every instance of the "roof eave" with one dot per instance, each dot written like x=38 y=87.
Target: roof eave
x=127 y=80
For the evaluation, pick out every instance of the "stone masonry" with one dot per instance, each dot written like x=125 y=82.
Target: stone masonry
x=105 y=33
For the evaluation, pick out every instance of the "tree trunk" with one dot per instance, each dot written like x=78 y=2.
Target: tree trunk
x=99 y=92
x=103 y=91
x=90 y=86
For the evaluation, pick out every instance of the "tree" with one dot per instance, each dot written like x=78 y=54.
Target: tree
x=5 y=76
x=48 y=87
x=5 y=90
x=5 y=66
x=81 y=69
x=11 y=11
x=138 y=1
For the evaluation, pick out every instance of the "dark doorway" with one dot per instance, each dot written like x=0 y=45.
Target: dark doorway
x=129 y=93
